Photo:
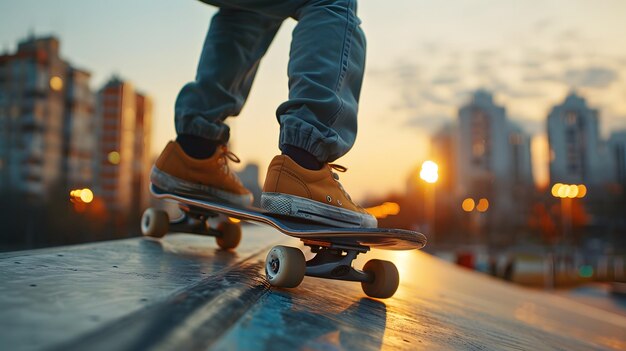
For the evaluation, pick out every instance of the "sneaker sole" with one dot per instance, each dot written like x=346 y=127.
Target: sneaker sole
x=296 y=206
x=182 y=187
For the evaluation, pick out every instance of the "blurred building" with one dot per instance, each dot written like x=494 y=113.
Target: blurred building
x=250 y=179
x=46 y=111
x=124 y=122
x=142 y=160
x=80 y=144
x=447 y=208
x=577 y=154
x=484 y=161
x=444 y=149
x=617 y=149
x=493 y=162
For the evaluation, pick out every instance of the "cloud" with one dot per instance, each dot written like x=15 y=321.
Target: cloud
x=406 y=72
x=588 y=77
x=612 y=121
x=484 y=61
x=562 y=55
x=429 y=91
x=523 y=93
x=428 y=122
x=482 y=55
x=446 y=78
x=434 y=98
x=401 y=73
x=570 y=35
x=530 y=126
x=592 y=77
x=541 y=25
x=482 y=68
x=531 y=63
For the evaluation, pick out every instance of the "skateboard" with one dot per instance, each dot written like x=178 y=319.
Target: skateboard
x=335 y=248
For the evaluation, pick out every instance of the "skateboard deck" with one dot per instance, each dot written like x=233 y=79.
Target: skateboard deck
x=380 y=238
x=335 y=249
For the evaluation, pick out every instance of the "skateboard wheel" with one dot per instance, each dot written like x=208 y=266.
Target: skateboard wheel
x=285 y=266
x=385 y=279
x=154 y=223
x=231 y=235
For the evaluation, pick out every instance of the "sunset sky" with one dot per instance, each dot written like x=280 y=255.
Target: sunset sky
x=424 y=58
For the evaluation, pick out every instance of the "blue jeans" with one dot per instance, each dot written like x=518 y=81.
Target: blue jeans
x=326 y=65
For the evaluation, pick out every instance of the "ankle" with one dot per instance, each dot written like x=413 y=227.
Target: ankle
x=302 y=157
x=197 y=147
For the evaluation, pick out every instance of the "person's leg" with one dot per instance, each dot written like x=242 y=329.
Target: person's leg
x=233 y=48
x=318 y=122
x=197 y=163
x=277 y=9
x=326 y=67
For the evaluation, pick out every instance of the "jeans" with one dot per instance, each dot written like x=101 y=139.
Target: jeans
x=326 y=64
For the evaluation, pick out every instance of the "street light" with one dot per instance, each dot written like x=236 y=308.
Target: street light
x=475 y=209
x=80 y=198
x=567 y=192
x=571 y=191
x=468 y=205
x=483 y=205
x=430 y=174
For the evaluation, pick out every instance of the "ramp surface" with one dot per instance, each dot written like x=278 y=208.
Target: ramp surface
x=182 y=293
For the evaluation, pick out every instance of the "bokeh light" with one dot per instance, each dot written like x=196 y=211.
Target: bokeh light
x=114 y=157
x=81 y=196
x=86 y=195
x=555 y=189
x=429 y=172
x=585 y=271
x=483 y=205
x=56 y=83
x=571 y=191
x=468 y=205
x=383 y=210
x=582 y=191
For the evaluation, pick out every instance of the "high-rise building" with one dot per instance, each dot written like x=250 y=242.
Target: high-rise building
x=443 y=145
x=493 y=160
x=142 y=159
x=617 y=147
x=577 y=154
x=80 y=142
x=445 y=206
x=520 y=158
x=45 y=120
x=250 y=179
x=125 y=120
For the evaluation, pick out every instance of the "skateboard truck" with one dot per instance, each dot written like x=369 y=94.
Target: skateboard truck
x=286 y=267
x=331 y=262
x=193 y=221
x=156 y=223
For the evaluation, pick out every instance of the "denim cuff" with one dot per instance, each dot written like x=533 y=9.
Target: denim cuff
x=307 y=137
x=198 y=126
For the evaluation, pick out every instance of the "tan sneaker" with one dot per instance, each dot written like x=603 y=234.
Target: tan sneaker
x=295 y=191
x=209 y=178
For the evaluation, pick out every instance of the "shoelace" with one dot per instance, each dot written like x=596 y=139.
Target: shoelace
x=230 y=155
x=338 y=168
x=226 y=154
x=342 y=169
